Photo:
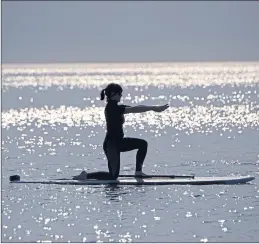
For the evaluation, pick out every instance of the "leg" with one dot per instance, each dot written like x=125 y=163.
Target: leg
x=112 y=153
x=129 y=144
x=100 y=175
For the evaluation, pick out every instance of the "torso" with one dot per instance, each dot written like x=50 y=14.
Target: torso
x=114 y=120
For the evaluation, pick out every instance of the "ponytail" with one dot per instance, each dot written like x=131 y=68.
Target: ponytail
x=102 y=94
x=109 y=90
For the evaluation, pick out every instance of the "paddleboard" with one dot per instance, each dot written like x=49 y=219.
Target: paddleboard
x=147 y=181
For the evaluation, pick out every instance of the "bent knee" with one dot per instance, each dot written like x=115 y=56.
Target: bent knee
x=144 y=143
x=114 y=176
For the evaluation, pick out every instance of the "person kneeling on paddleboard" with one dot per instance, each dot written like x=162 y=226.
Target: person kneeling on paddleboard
x=115 y=142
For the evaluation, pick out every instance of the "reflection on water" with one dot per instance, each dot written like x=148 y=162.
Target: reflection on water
x=142 y=75
x=53 y=127
x=115 y=193
x=198 y=118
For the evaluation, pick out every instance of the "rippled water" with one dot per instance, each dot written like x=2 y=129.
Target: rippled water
x=53 y=126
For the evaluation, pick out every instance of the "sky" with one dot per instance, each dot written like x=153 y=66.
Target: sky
x=129 y=31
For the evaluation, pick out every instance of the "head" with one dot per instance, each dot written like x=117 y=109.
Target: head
x=112 y=92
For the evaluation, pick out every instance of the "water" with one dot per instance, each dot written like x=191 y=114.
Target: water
x=53 y=126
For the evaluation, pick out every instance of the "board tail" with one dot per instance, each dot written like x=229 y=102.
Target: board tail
x=14 y=177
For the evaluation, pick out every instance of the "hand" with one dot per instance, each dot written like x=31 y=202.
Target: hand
x=160 y=108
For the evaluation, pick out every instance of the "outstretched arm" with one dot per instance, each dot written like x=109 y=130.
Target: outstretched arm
x=143 y=108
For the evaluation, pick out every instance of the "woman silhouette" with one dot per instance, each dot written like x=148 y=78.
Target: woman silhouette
x=115 y=142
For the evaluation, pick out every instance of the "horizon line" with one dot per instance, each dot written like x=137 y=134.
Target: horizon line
x=121 y=62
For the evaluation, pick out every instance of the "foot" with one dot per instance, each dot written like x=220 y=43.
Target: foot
x=82 y=176
x=140 y=174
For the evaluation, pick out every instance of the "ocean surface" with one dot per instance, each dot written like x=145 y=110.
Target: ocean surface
x=53 y=127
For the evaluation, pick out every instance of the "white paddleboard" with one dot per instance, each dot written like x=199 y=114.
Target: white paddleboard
x=148 y=181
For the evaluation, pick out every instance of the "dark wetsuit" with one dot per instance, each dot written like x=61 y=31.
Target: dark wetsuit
x=115 y=142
